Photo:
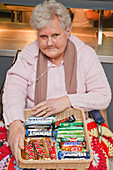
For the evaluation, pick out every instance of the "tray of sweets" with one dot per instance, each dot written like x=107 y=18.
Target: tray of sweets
x=58 y=163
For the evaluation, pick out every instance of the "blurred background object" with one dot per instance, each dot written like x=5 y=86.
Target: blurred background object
x=15 y=13
x=90 y=17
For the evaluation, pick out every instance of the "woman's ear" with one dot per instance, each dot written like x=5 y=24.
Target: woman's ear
x=68 y=31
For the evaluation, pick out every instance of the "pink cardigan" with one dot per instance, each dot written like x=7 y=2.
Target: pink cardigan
x=93 y=90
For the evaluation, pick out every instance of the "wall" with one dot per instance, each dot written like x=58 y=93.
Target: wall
x=5 y=64
x=108 y=68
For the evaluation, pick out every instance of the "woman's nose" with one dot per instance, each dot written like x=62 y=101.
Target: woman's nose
x=49 y=41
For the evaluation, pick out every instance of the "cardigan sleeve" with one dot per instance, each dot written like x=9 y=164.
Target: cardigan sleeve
x=16 y=85
x=15 y=92
x=93 y=90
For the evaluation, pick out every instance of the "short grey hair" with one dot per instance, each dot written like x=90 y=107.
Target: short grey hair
x=44 y=13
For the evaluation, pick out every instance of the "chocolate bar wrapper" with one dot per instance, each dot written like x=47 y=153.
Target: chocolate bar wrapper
x=66 y=120
x=52 y=152
x=74 y=132
x=39 y=149
x=83 y=144
x=35 y=126
x=72 y=139
x=29 y=150
x=71 y=128
x=69 y=155
x=73 y=148
x=70 y=136
x=38 y=133
x=46 y=148
x=77 y=123
x=40 y=121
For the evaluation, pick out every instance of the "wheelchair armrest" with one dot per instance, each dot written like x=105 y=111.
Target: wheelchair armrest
x=97 y=116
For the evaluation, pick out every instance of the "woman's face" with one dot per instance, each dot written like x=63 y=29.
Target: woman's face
x=52 y=39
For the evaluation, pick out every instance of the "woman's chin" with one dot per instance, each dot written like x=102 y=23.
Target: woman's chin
x=52 y=54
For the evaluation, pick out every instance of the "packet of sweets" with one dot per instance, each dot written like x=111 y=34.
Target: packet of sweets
x=66 y=120
x=39 y=149
x=70 y=132
x=38 y=133
x=52 y=151
x=78 y=139
x=71 y=128
x=28 y=149
x=39 y=121
x=72 y=155
x=76 y=123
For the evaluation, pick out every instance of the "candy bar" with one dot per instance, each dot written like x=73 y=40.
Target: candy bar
x=43 y=126
x=38 y=132
x=77 y=132
x=71 y=128
x=68 y=154
x=72 y=139
x=51 y=150
x=29 y=150
x=73 y=148
x=70 y=136
x=68 y=119
x=39 y=149
x=46 y=149
x=76 y=123
x=72 y=143
x=40 y=121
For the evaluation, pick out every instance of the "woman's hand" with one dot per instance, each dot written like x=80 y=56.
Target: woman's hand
x=16 y=137
x=51 y=106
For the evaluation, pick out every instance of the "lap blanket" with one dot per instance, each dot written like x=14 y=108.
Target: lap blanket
x=101 y=152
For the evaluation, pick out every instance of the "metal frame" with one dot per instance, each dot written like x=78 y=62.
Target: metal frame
x=100 y=27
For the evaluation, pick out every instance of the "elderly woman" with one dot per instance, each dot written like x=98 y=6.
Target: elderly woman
x=55 y=72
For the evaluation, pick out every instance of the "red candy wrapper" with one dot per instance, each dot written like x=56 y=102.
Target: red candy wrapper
x=39 y=149
x=29 y=150
x=68 y=119
x=72 y=148
x=51 y=149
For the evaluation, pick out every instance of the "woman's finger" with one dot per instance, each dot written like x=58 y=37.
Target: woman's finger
x=48 y=114
x=42 y=113
x=16 y=152
x=38 y=105
x=41 y=109
x=13 y=146
x=21 y=141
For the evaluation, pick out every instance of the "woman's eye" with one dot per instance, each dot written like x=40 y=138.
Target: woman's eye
x=43 y=36
x=56 y=35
